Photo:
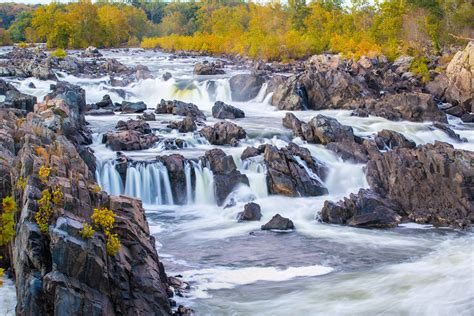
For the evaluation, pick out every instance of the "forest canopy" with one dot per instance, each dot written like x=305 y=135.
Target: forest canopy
x=272 y=30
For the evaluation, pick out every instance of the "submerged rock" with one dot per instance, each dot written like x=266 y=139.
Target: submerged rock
x=387 y=139
x=147 y=116
x=186 y=125
x=365 y=209
x=279 y=223
x=252 y=212
x=221 y=110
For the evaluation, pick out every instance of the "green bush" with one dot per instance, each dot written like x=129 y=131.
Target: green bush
x=59 y=53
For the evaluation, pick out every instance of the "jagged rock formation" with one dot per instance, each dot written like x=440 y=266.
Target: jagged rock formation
x=57 y=270
x=223 y=133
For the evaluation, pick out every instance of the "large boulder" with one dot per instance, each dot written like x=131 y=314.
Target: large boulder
x=175 y=165
x=15 y=99
x=251 y=212
x=245 y=87
x=130 y=135
x=292 y=171
x=221 y=110
x=133 y=107
x=410 y=106
x=226 y=175
x=366 y=209
x=460 y=73
x=223 y=133
x=279 y=222
x=180 y=108
x=387 y=139
x=206 y=69
x=186 y=125
x=430 y=184
x=325 y=130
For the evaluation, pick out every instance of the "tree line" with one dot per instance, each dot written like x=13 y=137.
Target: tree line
x=272 y=30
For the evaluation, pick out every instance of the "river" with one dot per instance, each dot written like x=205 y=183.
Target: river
x=236 y=269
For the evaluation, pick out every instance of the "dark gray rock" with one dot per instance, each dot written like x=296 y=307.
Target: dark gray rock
x=279 y=223
x=221 y=110
x=252 y=212
x=245 y=87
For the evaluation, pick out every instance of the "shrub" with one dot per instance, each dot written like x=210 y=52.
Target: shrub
x=7 y=220
x=103 y=218
x=21 y=183
x=45 y=211
x=112 y=244
x=44 y=173
x=420 y=68
x=87 y=231
x=57 y=196
x=59 y=53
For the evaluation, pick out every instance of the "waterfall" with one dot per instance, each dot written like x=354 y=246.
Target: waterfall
x=108 y=177
x=261 y=93
x=149 y=182
x=204 y=192
x=255 y=170
x=189 y=185
x=308 y=170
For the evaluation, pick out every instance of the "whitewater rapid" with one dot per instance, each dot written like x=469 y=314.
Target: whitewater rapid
x=236 y=269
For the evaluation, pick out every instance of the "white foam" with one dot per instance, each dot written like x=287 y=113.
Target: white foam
x=227 y=278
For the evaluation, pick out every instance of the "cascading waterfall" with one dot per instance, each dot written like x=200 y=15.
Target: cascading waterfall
x=308 y=170
x=189 y=185
x=261 y=93
x=149 y=182
x=204 y=191
x=256 y=171
x=108 y=177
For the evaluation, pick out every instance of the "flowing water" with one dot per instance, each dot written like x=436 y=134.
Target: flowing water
x=237 y=269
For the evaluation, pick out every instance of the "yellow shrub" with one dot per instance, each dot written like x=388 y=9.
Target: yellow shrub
x=96 y=188
x=103 y=218
x=112 y=244
x=57 y=196
x=87 y=231
x=45 y=211
x=59 y=53
x=44 y=173
x=21 y=183
x=7 y=220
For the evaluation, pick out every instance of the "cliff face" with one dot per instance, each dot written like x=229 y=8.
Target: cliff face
x=57 y=270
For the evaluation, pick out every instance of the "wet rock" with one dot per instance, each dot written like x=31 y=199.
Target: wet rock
x=252 y=212
x=17 y=100
x=467 y=118
x=106 y=103
x=180 y=108
x=288 y=176
x=186 y=125
x=206 y=68
x=245 y=87
x=402 y=64
x=431 y=183
x=292 y=122
x=175 y=164
x=387 y=139
x=133 y=107
x=147 y=116
x=414 y=106
x=91 y=52
x=358 y=152
x=448 y=131
x=223 y=133
x=100 y=112
x=460 y=73
x=130 y=135
x=250 y=152
x=183 y=311
x=221 y=110
x=365 y=209
x=278 y=222
x=167 y=76
x=226 y=175
x=325 y=130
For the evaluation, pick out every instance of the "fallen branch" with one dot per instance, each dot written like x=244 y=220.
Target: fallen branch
x=461 y=37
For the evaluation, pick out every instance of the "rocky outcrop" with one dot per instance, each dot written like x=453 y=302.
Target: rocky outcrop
x=292 y=171
x=175 y=164
x=250 y=152
x=105 y=103
x=207 y=68
x=226 y=175
x=449 y=131
x=429 y=184
x=366 y=209
x=133 y=107
x=186 y=125
x=460 y=74
x=279 y=222
x=147 y=116
x=223 y=133
x=180 y=108
x=130 y=135
x=221 y=110
x=58 y=271
x=245 y=87
x=251 y=212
